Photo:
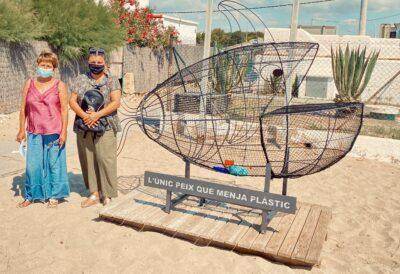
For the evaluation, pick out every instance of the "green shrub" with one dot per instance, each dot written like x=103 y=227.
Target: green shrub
x=143 y=28
x=17 y=21
x=72 y=26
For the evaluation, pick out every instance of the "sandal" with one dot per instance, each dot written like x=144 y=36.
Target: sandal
x=25 y=203
x=92 y=200
x=53 y=203
x=106 y=201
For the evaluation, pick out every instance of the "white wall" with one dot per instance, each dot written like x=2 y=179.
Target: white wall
x=142 y=3
x=187 y=31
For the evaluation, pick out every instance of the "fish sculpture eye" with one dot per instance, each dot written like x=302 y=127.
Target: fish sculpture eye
x=277 y=72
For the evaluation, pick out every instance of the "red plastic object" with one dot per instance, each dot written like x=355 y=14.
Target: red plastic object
x=228 y=163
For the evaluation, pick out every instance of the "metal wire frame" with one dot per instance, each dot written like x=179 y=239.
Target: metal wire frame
x=318 y=136
x=235 y=10
x=187 y=116
x=232 y=106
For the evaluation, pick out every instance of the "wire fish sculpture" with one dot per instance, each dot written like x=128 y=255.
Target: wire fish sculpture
x=233 y=109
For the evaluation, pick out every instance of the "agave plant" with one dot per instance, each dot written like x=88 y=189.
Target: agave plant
x=352 y=71
x=295 y=87
x=227 y=72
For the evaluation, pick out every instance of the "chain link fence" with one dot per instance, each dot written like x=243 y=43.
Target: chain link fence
x=151 y=67
x=384 y=85
x=18 y=63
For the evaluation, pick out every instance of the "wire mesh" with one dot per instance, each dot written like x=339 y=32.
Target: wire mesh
x=227 y=107
x=316 y=136
x=236 y=107
x=384 y=84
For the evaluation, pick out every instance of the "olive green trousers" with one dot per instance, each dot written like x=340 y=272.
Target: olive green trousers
x=98 y=158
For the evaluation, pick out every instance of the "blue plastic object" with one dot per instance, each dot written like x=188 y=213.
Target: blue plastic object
x=221 y=169
x=238 y=171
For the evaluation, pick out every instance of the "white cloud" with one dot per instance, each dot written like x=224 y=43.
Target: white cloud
x=336 y=6
x=383 y=5
x=352 y=6
x=343 y=13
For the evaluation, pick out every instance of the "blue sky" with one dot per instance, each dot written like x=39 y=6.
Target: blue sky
x=342 y=13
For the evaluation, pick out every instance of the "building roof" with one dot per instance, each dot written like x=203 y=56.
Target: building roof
x=317 y=27
x=387 y=65
x=179 y=20
x=389 y=48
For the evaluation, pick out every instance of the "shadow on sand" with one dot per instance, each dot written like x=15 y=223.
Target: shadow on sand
x=75 y=182
x=125 y=184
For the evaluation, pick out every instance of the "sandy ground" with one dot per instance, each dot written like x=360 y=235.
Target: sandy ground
x=363 y=236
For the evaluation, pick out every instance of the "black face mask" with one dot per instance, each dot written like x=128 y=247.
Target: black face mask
x=96 y=69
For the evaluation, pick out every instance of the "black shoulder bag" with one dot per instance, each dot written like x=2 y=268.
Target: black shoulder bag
x=92 y=100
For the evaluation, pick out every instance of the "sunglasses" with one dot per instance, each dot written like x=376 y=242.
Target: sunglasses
x=96 y=51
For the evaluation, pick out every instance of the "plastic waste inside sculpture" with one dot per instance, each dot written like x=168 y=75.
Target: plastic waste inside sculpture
x=230 y=111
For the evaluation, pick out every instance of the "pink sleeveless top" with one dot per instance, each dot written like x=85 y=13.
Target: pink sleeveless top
x=43 y=110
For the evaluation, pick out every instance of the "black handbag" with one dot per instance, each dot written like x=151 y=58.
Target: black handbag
x=92 y=100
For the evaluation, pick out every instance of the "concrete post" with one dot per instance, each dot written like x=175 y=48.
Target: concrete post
x=207 y=31
x=363 y=17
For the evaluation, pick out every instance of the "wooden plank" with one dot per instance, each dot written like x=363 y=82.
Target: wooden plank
x=128 y=210
x=150 y=220
x=165 y=220
x=185 y=211
x=291 y=239
x=319 y=237
x=279 y=235
x=110 y=208
x=114 y=208
x=153 y=204
x=147 y=206
x=230 y=229
x=207 y=234
x=156 y=220
x=260 y=243
x=303 y=244
x=245 y=243
x=294 y=232
x=121 y=210
x=233 y=236
x=205 y=222
x=252 y=220
x=183 y=230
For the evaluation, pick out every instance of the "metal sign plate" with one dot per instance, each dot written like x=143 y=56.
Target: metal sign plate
x=223 y=193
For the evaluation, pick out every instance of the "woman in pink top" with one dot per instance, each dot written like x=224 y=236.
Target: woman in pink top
x=44 y=108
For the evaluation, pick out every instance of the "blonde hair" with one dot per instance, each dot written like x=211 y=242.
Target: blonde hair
x=47 y=56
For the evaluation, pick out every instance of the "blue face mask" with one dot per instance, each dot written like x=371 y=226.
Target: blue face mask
x=45 y=73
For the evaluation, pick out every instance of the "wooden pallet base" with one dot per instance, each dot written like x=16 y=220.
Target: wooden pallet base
x=294 y=239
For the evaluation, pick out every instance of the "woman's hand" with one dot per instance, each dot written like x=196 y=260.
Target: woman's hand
x=93 y=118
x=62 y=139
x=21 y=136
x=86 y=119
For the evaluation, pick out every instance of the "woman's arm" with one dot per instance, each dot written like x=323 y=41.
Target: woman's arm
x=63 y=94
x=73 y=103
x=115 y=103
x=21 y=136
